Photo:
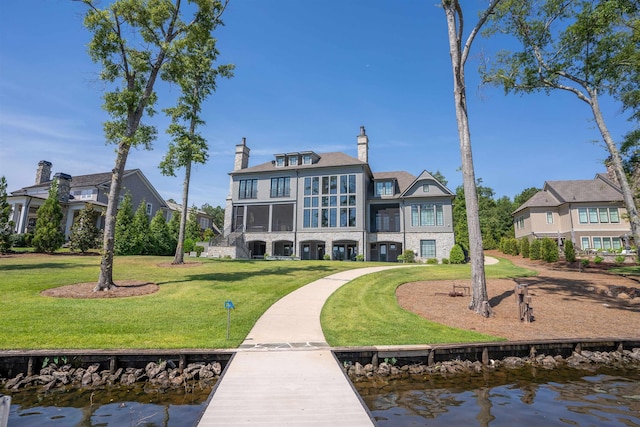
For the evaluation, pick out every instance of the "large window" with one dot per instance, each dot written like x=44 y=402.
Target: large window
x=519 y=222
x=427 y=215
x=598 y=215
x=248 y=189
x=385 y=218
x=427 y=248
x=549 y=217
x=280 y=187
x=329 y=201
x=601 y=243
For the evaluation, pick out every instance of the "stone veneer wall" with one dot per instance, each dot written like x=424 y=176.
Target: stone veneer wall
x=444 y=243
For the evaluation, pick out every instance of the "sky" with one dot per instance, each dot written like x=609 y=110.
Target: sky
x=308 y=74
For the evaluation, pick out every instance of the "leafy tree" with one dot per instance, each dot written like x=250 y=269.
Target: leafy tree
x=6 y=225
x=48 y=235
x=525 y=195
x=217 y=213
x=582 y=47
x=459 y=53
x=195 y=74
x=163 y=242
x=140 y=233
x=134 y=40
x=84 y=232
x=124 y=243
x=440 y=177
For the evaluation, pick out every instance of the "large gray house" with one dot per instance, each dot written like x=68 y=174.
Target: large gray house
x=310 y=205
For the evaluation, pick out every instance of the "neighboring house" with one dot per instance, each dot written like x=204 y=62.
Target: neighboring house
x=75 y=192
x=590 y=213
x=204 y=219
x=310 y=205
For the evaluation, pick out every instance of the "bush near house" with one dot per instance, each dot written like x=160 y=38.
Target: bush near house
x=509 y=246
x=457 y=255
x=407 y=256
x=535 y=249
x=549 y=250
x=569 y=251
x=524 y=247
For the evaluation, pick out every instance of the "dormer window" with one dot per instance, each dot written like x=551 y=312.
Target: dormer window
x=293 y=160
x=306 y=159
x=384 y=188
x=280 y=161
x=425 y=188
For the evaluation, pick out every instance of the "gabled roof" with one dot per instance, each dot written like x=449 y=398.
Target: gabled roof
x=426 y=175
x=91 y=180
x=555 y=193
x=325 y=160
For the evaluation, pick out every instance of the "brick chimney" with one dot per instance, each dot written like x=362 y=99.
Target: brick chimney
x=43 y=174
x=363 y=146
x=64 y=186
x=242 y=156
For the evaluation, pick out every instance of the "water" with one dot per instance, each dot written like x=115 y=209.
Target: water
x=121 y=406
x=505 y=398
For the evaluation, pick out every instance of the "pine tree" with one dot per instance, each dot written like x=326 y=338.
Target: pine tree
x=174 y=228
x=123 y=244
x=48 y=236
x=6 y=225
x=163 y=242
x=140 y=232
x=84 y=232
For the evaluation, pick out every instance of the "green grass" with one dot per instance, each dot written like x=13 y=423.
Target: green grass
x=365 y=311
x=188 y=311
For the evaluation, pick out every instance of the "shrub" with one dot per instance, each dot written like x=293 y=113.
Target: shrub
x=407 y=256
x=326 y=257
x=359 y=257
x=457 y=255
x=445 y=260
x=188 y=246
x=199 y=249
x=569 y=251
x=84 y=232
x=432 y=260
x=620 y=259
x=524 y=247
x=534 y=249
x=549 y=250
x=509 y=246
x=598 y=259
x=584 y=262
x=22 y=240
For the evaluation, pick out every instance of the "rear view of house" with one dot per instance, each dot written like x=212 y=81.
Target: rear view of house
x=332 y=205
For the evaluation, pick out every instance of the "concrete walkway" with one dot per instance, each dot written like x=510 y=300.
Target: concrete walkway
x=284 y=373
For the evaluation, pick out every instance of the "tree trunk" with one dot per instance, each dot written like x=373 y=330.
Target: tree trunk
x=616 y=160
x=479 y=299
x=105 y=280
x=179 y=256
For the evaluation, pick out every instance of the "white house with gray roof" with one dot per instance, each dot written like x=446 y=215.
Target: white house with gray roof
x=590 y=213
x=309 y=205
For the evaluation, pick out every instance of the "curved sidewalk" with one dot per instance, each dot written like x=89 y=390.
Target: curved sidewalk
x=267 y=383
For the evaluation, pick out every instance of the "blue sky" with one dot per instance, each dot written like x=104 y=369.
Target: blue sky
x=308 y=74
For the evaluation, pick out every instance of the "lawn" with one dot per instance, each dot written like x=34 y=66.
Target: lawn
x=365 y=311
x=189 y=312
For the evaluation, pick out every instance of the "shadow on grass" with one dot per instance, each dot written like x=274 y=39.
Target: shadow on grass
x=34 y=266
x=238 y=276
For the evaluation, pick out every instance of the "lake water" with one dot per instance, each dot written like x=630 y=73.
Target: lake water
x=115 y=407
x=505 y=398
x=501 y=398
